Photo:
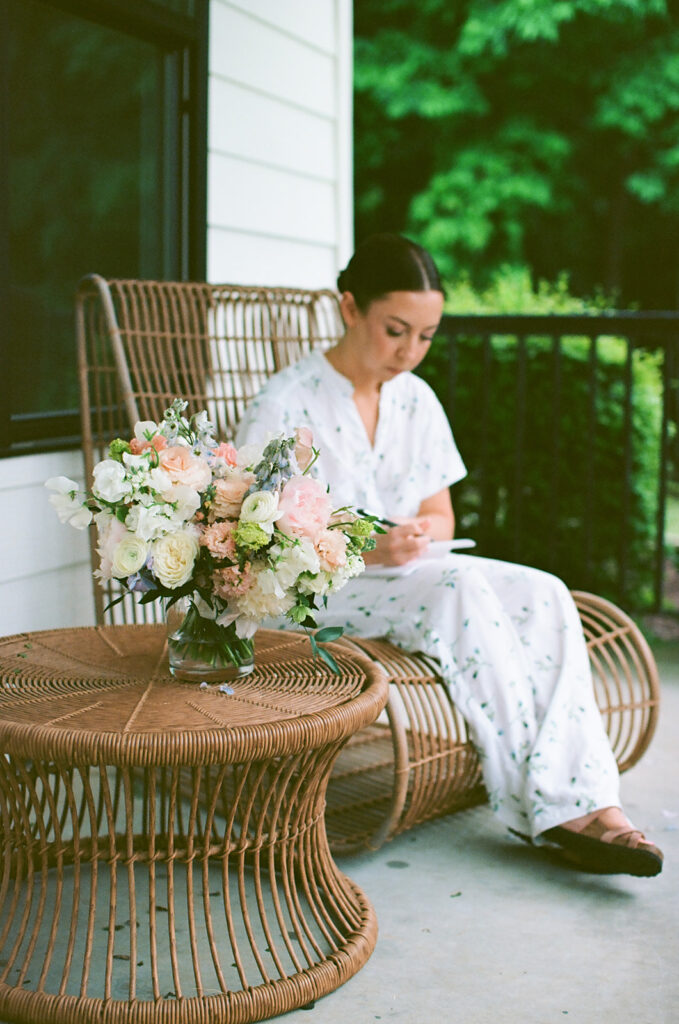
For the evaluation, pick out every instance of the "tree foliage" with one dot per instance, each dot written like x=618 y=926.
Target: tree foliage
x=537 y=132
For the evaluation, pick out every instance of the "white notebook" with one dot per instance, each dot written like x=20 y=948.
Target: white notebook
x=437 y=549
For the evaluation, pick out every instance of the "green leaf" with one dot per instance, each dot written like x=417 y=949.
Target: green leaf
x=328 y=659
x=329 y=633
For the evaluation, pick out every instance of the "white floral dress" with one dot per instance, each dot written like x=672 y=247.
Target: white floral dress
x=507 y=637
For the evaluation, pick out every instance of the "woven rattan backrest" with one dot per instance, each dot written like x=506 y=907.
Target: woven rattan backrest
x=143 y=343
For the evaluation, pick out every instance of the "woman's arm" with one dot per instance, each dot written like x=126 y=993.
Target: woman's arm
x=435 y=520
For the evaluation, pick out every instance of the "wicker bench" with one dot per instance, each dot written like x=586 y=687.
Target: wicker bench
x=143 y=343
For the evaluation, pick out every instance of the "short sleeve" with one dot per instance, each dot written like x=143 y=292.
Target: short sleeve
x=440 y=462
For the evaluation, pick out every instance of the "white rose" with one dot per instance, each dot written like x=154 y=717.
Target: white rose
x=173 y=558
x=110 y=483
x=261 y=507
x=129 y=556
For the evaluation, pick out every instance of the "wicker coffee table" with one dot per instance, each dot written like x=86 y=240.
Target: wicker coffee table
x=164 y=855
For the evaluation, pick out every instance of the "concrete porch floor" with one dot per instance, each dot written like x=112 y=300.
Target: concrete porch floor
x=478 y=928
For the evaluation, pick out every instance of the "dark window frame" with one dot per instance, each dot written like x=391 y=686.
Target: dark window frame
x=185 y=40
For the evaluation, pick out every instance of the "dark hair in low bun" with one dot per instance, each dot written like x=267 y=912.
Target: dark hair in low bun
x=388 y=263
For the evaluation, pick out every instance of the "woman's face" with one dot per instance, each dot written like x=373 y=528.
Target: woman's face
x=395 y=332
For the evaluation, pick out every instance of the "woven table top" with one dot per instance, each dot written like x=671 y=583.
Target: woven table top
x=105 y=694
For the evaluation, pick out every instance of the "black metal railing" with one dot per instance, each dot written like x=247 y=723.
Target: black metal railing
x=568 y=424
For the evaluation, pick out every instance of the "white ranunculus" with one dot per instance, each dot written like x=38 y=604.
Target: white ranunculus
x=110 y=483
x=129 y=556
x=174 y=556
x=260 y=507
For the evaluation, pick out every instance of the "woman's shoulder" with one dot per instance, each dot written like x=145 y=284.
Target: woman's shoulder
x=302 y=373
x=410 y=388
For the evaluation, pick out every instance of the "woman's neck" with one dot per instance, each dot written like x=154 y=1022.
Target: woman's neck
x=344 y=358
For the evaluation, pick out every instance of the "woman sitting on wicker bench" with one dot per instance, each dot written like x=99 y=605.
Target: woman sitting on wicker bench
x=508 y=638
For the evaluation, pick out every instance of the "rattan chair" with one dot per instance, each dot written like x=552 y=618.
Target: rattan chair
x=143 y=343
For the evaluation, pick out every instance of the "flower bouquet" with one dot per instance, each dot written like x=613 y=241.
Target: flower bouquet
x=225 y=537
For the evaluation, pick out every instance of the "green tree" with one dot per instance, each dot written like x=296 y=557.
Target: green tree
x=537 y=132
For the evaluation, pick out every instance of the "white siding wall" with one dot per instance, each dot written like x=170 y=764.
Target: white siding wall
x=280 y=159
x=279 y=211
x=45 y=580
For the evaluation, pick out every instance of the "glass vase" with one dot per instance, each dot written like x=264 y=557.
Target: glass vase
x=201 y=650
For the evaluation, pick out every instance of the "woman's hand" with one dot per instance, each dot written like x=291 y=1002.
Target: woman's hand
x=402 y=543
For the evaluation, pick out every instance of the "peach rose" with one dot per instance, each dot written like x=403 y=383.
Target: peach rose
x=229 y=494
x=138 y=445
x=183 y=467
x=305 y=508
x=331 y=546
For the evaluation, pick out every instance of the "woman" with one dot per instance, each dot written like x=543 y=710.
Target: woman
x=508 y=638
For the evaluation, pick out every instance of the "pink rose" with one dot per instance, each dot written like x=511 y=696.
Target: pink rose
x=229 y=494
x=227 y=452
x=183 y=467
x=219 y=541
x=304 y=453
x=305 y=506
x=331 y=546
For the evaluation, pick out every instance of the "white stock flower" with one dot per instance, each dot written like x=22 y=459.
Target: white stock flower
x=261 y=507
x=110 y=483
x=174 y=556
x=129 y=556
x=148 y=521
x=290 y=561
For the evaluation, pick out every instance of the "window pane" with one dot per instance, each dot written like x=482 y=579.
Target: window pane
x=86 y=184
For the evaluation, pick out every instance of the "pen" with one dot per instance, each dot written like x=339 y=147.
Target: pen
x=383 y=522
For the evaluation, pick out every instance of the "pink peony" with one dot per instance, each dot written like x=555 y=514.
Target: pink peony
x=331 y=546
x=232 y=581
x=304 y=440
x=227 y=452
x=218 y=539
x=229 y=494
x=305 y=508
x=138 y=446
x=183 y=467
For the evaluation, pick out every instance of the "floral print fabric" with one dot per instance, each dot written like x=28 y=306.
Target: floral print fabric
x=507 y=637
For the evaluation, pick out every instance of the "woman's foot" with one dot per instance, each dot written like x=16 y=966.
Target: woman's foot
x=606 y=842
